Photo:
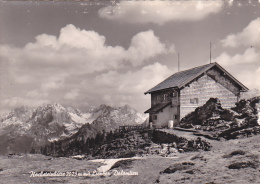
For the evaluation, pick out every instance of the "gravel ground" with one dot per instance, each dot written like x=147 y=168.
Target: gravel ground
x=207 y=167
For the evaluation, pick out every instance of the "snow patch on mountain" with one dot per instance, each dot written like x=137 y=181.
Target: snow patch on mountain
x=51 y=122
x=77 y=119
x=53 y=139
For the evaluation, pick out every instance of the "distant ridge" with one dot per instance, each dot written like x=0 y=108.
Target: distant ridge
x=22 y=128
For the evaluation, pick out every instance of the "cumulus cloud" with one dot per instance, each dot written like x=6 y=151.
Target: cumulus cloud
x=249 y=36
x=146 y=45
x=30 y=98
x=159 y=12
x=53 y=82
x=251 y=55
x=250 y=78
x=128 y=88
x=14 y=102
x=245 y=66
x=72 y=94
x=37 y=94
x=134 y=82
x=48 y=69
x=78 y=51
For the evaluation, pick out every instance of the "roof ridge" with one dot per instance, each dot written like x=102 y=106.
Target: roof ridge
x=195 y=68
x=180 y=79
x=178 y=73
x=207 y=67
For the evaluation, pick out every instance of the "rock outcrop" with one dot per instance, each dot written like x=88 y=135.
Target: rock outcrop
x=239 y=121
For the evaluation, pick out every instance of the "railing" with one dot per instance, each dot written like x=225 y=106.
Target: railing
x=131 y=127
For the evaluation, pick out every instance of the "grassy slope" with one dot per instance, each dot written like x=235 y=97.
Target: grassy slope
x=209 y=167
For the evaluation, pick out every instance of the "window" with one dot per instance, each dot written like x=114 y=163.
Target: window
x=175 y=116
x=158 y=98
x=154 y=117
x=173 y=94
x=153 y=99
x=194 y=100
x=165 y=97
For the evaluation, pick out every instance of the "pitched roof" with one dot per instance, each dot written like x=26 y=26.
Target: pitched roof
x=158 y=107
x=181 y=78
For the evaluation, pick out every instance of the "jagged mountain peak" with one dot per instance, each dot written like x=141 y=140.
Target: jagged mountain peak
x=22 y=108
x=59 y=107
x=21 y=112
x=105 y=107
x=57 y=113
x=108 y=119
x=126 y=106
x=56 y=106
x=91 y=109
x=127 y=109
x=49 y=122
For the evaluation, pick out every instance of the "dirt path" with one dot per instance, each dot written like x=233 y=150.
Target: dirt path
x=108 y=163
x=187 y=135
x=190 y=135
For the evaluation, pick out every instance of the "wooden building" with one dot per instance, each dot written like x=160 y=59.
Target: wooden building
x=184 y=91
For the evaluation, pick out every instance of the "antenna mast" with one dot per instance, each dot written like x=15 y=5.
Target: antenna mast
x=210 y=52
x=178 y=62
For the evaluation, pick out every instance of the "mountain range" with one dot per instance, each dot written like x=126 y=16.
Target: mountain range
x=23 y=128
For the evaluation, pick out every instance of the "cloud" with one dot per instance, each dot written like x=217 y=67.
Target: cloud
x=249 y=36
x=52 y=68
x=159 y=12
x=14 y=102
x=134 y=82
x=257 y=77
x=230 y=2
x=37 y=94
x=146 y=45
x=78 y=51
x=128 y=88
x=112 y=87
x=250 y=78
x=72 y=94
x=245 y=66
x=251 y=55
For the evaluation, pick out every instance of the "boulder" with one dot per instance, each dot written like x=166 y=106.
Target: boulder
x=239 y=121
x=178 y=167
x=208 y=114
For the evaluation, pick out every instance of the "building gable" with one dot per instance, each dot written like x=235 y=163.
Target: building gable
x=180 y=79
x=199 y=91
x=224 y=80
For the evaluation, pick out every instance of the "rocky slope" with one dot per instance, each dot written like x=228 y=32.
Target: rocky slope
x=107 y=119
x=239 y=121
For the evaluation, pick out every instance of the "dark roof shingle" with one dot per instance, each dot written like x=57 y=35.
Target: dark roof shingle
x=180 y=78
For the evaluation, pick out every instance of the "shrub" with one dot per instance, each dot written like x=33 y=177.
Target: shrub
x=241 y=165
x=237 y=152
x=178 y=167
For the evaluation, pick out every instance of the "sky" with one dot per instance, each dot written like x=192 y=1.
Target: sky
x=83 y=54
